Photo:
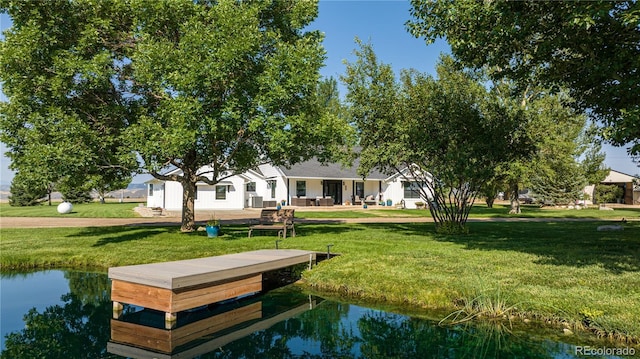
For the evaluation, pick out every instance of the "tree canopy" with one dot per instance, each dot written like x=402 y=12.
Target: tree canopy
x=160 y=86
x=591 y=48
x=447 y=134
x=65 y=113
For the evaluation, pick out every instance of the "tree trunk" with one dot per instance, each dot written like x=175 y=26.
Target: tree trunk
x=489 y=200
x=515 y=202
x=188 y=200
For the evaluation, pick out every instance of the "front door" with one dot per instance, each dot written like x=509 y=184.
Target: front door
x=333 y=189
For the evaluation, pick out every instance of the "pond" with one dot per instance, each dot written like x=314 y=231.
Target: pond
x=68 y=314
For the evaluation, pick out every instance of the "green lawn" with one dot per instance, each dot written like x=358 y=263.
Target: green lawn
x=479 y=210
x=566 y=271
x=533 y=211
x=85 y=210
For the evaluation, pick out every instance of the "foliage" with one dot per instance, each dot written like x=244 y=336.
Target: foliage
x=26 y=192
x=76 y=196
x=563 y=184
x=558 y=137
x=58 y=65
x=74 y=329
x=605 y=193
x=451 y=228
x=593 y=164
x=589 y=47
x=196 y=91
x=558 y=177
x=228 y=87
x=213 y=222
x=447 y=133
x=490 y=190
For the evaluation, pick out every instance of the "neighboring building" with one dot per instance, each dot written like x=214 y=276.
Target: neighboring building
x=629 y=184
x=305 y=184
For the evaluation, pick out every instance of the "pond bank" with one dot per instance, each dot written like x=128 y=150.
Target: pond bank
x=566 y=271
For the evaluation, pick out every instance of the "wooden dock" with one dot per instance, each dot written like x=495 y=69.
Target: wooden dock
x=132 y=339
x=172 y=287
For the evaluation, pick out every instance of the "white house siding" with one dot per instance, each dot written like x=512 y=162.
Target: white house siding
x=173 y=195
x=248 y=195
x=234 y=195
x=155 y=194
x=394 y=192
x=263 y=187
x=237 y=197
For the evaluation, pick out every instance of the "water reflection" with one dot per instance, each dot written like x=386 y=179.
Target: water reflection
x=281 y=324
x=73 y=329
x=144 y=334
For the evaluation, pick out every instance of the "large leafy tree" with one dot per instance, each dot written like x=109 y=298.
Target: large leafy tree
x=184 y=85
x=447 y=134
x=228 y=86
x=591 y=47
x=65 y=113
x=554 y=129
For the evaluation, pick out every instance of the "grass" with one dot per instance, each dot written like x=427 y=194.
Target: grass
x=358 y=212
x=563 y=271
x=534 y=211
x=479 y=210
x=84 y=210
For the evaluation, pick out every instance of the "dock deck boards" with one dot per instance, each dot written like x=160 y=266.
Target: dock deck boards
x=181 y=285
x=192 y=272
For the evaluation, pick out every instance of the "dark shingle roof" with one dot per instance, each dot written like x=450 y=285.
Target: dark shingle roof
x=314 y=169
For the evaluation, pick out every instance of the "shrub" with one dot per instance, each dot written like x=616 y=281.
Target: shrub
x=608 y=193
x=26 y=192
x=449 y=227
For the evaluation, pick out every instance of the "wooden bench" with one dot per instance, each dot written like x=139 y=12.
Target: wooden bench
x=276 y=220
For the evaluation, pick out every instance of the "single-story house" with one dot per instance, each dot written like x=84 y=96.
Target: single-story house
x=305 y=184
x=629 y=184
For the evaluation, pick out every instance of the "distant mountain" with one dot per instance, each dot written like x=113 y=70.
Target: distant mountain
x=137 y=186
x=134 y=190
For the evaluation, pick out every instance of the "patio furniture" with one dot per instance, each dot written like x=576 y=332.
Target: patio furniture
x=275 y=220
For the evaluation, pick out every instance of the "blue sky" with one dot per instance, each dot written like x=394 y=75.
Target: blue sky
x=382 y=24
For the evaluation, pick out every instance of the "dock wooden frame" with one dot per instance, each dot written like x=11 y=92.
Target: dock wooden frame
x=172 y=287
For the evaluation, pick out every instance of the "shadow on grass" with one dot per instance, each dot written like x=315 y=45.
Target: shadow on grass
x=576 y=244
x=535 y=211
x=120 y=234
x=326 y=229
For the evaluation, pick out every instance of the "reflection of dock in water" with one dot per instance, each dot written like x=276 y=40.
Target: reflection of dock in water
x=143 y=334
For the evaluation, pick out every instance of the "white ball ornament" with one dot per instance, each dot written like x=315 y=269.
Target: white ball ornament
x=65 y=208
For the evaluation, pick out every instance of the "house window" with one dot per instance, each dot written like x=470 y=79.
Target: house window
x=150 y=189
x=411 y=189
x=301 y=188
x=221 y=192
x=272 y=184
x=251 y=187
x=360 y=189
